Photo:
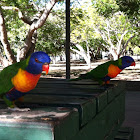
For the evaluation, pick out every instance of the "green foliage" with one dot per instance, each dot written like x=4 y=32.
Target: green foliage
x=101 y=32
x=130 y=7
x=105 y=7
x=84 y=22
x=16 y=29
x=136 y=50
x=51 y=35
x=23 y=5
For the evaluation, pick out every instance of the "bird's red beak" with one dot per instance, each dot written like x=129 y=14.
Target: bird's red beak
x=45 y=68
x=133 y=64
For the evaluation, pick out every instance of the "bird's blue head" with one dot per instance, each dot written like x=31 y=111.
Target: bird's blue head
x=127 y=61
x=38 y=62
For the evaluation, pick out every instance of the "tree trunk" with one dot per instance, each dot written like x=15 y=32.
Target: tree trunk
x=88 y=55
x=83 y=53
x=4 y=40
x=37 y=23
x=124 y=47
x=30 y=40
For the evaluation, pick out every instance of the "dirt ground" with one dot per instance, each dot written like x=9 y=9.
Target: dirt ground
x=77 y=68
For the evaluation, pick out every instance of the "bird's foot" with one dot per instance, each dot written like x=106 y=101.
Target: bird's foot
x=19 y=109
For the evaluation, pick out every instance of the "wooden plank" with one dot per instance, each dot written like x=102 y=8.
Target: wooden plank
x=64 y=87
x=100 y=127
x=125 y=133
x=119 y=114
x=86 y=106
x=101 y=101
x=96 y=112
x=66 y=91
x=115 y=89
x=114 y=130
x=78 y=89
x=39 y=124
x=75 y=88
x=85 y=88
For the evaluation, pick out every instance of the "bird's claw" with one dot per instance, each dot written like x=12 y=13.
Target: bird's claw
x=19 y=109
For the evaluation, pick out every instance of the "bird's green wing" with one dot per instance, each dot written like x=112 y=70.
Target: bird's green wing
x=100 y=71
x=7 y=74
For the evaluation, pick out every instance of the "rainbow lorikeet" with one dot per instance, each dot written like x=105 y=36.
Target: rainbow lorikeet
x=106 y=71
x=19 y=78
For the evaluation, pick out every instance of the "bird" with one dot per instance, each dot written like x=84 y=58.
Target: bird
x=18 y=79
x=106 y=71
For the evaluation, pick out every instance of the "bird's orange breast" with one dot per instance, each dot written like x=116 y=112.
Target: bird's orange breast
x=113 y=71
x=24 y=81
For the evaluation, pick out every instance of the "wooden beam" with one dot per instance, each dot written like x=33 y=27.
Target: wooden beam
x=67 y=39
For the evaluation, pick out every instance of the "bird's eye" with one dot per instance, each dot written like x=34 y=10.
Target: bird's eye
x=128 y=61
x=36 y=60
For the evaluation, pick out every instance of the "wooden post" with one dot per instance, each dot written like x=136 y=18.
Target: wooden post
x=67 y=39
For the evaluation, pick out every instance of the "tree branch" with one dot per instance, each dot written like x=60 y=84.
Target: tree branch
x=108 y=34
x=20 y=14
x=80 y=53
x=84 y=55
x=120 y=41
x=40 y=22
x=124 y=47
x=4 y=39
x=37 y=23
x=35 y=6
x=80 y=47
x=1 y=59
x=128 y=41
x=99 y=32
